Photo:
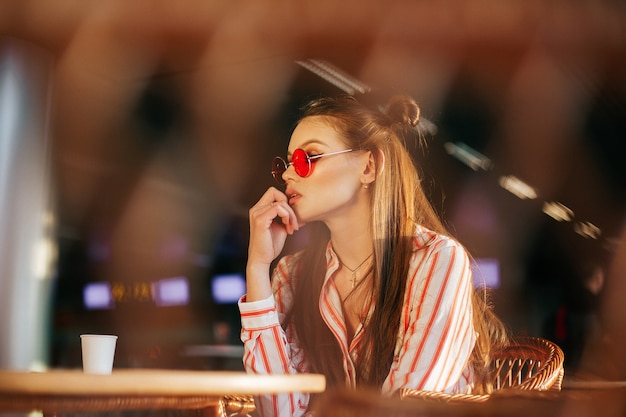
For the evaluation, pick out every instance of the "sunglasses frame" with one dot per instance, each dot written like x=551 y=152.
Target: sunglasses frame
x=279 y=163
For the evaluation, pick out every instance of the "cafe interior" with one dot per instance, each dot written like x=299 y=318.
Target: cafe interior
x=135 y=136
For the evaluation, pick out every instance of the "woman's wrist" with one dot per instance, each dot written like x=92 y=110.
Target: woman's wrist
x=257 y=281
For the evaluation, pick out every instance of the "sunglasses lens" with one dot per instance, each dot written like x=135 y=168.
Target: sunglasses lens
x=301 y=163
x=279 y=166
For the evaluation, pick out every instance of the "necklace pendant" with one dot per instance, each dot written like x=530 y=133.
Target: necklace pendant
x=355 y=270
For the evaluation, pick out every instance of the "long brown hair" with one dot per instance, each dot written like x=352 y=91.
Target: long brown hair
x=398 y=203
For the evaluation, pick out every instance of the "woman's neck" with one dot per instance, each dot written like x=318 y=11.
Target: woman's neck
x=352 y=243
x=351 y=233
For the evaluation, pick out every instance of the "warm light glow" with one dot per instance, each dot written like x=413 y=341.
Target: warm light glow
x=588 y=230
x=518 y=187
x=558 y=211
x=335 y=76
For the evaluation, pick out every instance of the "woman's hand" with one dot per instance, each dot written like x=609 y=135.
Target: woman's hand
x=267 y=238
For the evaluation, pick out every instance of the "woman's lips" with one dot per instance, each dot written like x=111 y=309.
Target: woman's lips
x=292 y=196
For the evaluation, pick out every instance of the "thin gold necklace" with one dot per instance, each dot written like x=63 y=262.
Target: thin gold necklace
x=355 y=270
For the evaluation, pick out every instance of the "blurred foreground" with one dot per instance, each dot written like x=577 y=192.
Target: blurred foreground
x=134 y=136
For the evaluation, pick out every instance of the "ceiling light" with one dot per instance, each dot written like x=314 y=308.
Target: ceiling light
x=558 y=211
x=588 y=230
x=518 y=187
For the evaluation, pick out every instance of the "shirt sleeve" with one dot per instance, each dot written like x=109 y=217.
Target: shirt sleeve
x=436 y=336
x=268 y=348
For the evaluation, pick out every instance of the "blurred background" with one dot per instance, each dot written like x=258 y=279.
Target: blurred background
x=134 y=136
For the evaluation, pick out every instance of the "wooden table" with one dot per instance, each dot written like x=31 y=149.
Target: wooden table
x=67 y=391
x=595 y=402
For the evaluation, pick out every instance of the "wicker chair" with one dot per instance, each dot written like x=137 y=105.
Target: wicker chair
x=528 y=363
x=236 y=406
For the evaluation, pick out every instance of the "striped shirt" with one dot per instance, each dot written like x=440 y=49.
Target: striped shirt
x=435 y=339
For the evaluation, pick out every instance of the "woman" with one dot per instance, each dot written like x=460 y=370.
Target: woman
x=380 y=296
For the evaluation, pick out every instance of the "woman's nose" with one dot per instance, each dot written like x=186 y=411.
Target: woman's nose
x=289 y=173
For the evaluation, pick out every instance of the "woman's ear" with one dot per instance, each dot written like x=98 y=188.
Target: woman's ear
x=373 y=167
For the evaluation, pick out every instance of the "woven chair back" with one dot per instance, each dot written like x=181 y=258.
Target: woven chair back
x=529 y=363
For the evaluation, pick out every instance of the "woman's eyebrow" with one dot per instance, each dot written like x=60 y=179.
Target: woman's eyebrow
x=307 y=143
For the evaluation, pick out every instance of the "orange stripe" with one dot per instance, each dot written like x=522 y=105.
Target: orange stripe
x=336 y=325
x=464 y=329
x=264 y=357
x=406 y=311
x=412 y=329
x=429 y=277
x=258 y=312
x=281 y=351
x=410 y=325
x=452 y=320
x=457 y=320
x=431 y=322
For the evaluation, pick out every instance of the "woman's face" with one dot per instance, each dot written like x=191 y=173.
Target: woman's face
x=333 y=188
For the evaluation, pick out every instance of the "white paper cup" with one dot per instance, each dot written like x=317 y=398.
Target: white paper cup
x=98 y=352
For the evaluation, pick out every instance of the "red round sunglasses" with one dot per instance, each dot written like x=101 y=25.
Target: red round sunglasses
x=301 y=161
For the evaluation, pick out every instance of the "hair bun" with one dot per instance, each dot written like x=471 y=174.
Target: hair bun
x=403 y=109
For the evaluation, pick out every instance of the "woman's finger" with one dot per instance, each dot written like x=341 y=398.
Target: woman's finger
x=272 y=195
x=275 y=203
